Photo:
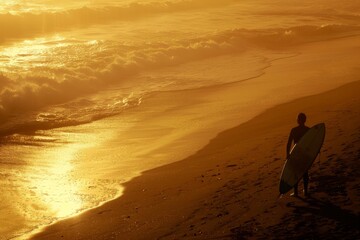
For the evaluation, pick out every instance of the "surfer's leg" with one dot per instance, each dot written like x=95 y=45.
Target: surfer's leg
x=295 y=190
x=306 y=183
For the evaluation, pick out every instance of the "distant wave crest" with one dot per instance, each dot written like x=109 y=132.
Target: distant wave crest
x=29 y=24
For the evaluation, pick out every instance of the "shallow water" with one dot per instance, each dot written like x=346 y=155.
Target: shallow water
x=74 y=74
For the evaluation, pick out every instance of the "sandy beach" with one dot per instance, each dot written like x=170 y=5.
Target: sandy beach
x=229 y=188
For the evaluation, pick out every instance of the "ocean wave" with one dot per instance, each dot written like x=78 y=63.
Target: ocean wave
x=25 y=24
x=285 y=37
x=54 y=82
x=96 y=65
x=72 y=113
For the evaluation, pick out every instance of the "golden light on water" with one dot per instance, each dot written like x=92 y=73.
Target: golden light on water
x=53 y=182
x=40 y=56
x=54 y=176
x=56 y=188
x=29 y=53
x=16 y=7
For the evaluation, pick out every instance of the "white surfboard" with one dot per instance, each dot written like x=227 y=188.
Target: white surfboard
x=302 y=157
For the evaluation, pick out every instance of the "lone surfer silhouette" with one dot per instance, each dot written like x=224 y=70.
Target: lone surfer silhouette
x=295 y=135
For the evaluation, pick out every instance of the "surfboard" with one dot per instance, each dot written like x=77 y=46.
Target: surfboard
x=301 y=157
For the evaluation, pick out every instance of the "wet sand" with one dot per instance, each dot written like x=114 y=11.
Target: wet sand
x=229 y=188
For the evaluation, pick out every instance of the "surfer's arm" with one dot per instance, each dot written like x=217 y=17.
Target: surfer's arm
x=288 y=146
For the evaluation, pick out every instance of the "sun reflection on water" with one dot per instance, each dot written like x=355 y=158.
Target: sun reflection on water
x=27 y=55
x=47 y=56
x=55 y=186
x=18 y=7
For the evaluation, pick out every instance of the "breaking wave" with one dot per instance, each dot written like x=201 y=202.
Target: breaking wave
x=101 y=63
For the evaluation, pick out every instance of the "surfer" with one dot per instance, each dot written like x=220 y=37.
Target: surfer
x=295 y=135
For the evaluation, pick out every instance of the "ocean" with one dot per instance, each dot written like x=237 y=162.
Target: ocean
x=76 y=79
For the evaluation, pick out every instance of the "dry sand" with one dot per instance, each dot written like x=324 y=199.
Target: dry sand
x=229 y=188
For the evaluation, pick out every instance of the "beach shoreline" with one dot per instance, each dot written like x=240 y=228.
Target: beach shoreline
x=228 y=189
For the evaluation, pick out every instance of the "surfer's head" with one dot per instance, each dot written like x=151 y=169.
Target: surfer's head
x=301 y=119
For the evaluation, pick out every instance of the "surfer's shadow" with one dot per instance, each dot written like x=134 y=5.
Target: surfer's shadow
x=328 y=210
x=331 y=185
